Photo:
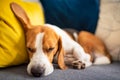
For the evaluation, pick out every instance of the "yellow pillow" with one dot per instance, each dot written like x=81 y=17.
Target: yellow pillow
x=12 y=40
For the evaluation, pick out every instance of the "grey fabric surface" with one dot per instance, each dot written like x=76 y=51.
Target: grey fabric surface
x=102 y=72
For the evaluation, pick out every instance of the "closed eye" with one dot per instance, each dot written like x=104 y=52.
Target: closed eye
x=32 y=50
x=50 y=49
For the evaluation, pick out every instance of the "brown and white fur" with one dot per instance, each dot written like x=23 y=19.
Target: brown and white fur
x=46 y=43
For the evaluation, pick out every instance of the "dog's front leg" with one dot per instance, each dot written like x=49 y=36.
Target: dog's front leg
x=80 y=54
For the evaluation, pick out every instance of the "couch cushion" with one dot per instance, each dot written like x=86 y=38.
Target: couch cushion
x=12 y=41
x=108 y=28
x=77 y=14
x=102 y=72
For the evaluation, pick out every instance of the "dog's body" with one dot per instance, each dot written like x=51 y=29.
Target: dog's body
x=73 y=51
x=46 y=43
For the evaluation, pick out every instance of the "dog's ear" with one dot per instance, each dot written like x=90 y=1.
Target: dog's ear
x=61 y=62
x=21 y=15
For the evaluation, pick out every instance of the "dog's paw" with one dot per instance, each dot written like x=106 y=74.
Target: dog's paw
x=78 y=65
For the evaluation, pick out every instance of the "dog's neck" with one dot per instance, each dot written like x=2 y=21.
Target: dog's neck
x=72 y=33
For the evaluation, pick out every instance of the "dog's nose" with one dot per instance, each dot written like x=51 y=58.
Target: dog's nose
x=37 y=71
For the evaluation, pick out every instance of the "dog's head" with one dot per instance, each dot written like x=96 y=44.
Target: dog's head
x=42 y=44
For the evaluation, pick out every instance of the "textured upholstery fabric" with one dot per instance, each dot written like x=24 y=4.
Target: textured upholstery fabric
x=12 y=41
x=108 y=28
x=77 y=14
x=103 y=72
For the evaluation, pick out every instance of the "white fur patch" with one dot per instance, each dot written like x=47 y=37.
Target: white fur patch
x=75 y=36
x=39 y=58
x=102 y=60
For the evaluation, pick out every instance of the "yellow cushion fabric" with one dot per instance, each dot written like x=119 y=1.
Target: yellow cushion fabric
x=12 y=40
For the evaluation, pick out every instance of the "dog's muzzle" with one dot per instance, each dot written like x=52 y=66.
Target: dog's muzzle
x=39 y=67
x=37 y=71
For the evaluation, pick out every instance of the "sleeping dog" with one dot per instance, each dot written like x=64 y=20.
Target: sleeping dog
x=48 y=43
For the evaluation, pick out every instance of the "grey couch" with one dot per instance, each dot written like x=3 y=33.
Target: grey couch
x=102 y=72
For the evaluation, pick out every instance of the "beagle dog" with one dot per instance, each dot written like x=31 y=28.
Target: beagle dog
x=48 y=43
